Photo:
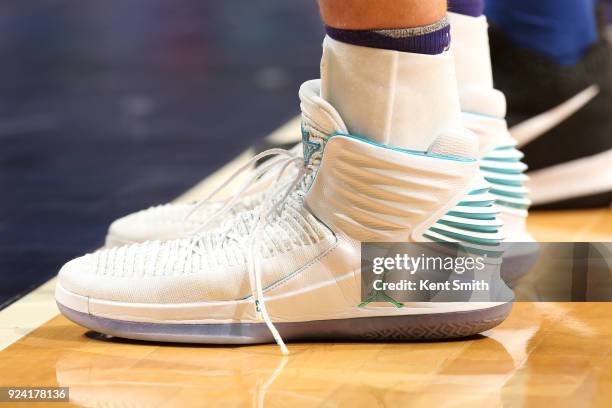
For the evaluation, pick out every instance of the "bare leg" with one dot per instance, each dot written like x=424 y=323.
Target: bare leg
x=381 y=14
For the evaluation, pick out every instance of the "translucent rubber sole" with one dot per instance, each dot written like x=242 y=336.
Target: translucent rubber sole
x=381 y=328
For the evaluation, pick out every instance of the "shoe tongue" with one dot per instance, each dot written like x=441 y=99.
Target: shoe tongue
x=319 y=119
x=398 y=99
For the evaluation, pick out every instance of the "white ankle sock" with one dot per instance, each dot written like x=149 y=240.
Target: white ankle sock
x=470 y=46
x=400 y=99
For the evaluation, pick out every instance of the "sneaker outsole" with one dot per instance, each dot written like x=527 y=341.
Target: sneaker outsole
x=436 y=326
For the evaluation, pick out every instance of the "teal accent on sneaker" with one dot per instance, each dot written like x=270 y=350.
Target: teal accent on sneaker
x=466 y=227
x=512 y=205
x=484 y=203
x=476 y=251
x=482 y=190
x=309 y=147
x=511 y=183
x=472 y=216
x=506 y=178
x=466 y=238
x=507 y=193
x=380 y=296
x=413 y=152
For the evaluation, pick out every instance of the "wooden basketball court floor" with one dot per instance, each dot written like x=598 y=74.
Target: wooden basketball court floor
x=555 y=354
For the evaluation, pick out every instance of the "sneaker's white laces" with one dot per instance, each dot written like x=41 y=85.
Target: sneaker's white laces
x=270 y=207
x=267 y=210
x=282 y=157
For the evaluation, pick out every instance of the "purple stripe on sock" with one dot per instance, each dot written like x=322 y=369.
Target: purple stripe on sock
x=431 y=43
x=473 y=8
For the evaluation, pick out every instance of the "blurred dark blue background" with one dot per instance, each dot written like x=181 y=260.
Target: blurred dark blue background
x=109 y=107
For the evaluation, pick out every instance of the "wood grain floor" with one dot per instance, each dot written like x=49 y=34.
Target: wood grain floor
x=558 y=354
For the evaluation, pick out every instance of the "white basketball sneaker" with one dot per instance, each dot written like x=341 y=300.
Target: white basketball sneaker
x=294 y=262
x=483 y=109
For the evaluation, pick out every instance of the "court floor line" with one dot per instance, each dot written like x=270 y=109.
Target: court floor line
x=38 y=306
x=27 y=314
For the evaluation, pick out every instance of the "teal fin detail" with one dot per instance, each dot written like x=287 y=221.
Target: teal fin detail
x=501 y=178
x=472 y=216
x=467 y=230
